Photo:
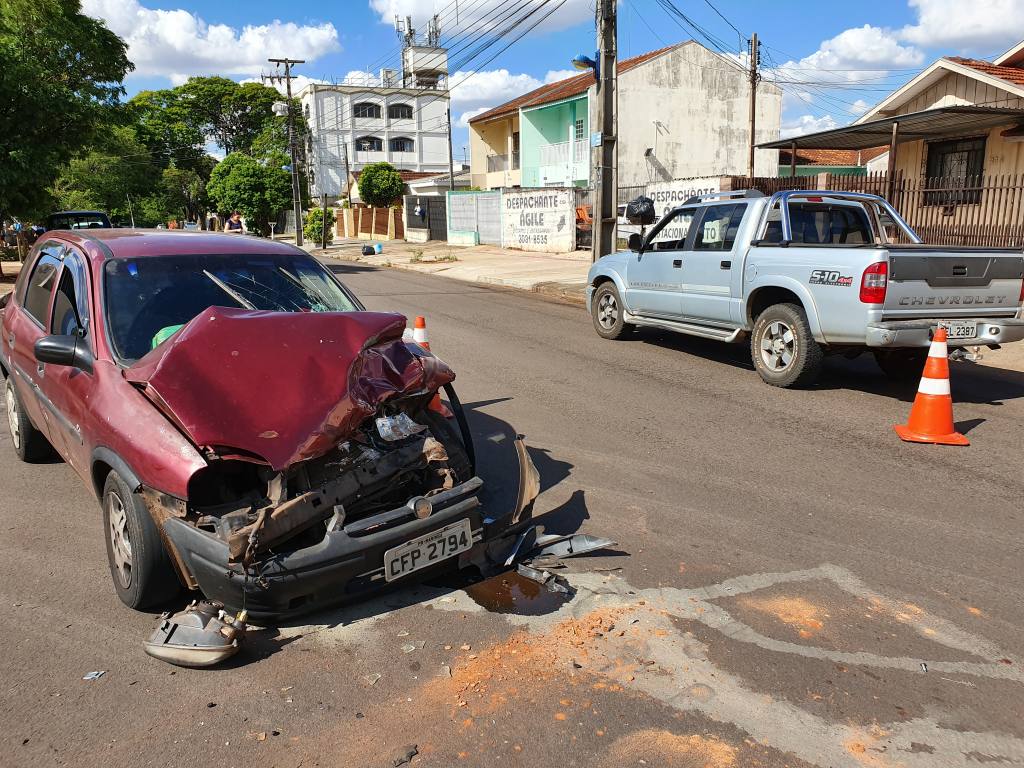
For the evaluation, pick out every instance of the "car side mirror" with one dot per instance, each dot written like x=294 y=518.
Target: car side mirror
x=634 y=242
x=71 y=351
x=5 y=300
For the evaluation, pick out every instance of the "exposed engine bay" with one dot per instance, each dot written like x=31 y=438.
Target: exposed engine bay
x=391 y=461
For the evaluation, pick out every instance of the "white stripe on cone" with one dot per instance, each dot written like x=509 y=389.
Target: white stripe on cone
x=934 y=386
x=419 y=335
x=938 y=349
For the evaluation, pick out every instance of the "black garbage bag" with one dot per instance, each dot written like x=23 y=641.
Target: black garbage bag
x=640 y=211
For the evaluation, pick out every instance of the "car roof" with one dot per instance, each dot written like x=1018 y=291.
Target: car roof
x=78 y=213
x=101 y=244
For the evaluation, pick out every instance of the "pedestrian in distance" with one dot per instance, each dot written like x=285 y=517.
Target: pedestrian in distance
x=234 y=224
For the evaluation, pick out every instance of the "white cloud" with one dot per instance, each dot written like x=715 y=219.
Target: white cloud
x=807 y=124
x=854 y=54
x=859 y=107
x=177 y=44
x=465 y=117
x=554 y=75
x=981 y=26
x=475 y=14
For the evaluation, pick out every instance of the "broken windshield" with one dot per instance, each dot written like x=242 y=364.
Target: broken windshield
x=149 y=299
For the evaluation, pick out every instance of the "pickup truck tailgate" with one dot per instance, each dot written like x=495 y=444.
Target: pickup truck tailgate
x=952 y=282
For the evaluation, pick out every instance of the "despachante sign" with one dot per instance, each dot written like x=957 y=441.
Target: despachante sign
x=539 y=219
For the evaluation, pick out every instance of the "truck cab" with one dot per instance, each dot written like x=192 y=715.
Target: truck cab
x=802 y=274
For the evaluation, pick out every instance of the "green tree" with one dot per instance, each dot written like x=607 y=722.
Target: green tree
x=184 y=193
x=61 y=77
x=228 y=113
x=380 y=184
x=162 y=123
x=314 y=228
x=117 y=169
x=259 y=190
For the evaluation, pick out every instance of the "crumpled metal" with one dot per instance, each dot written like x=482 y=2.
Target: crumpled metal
x=282 y=387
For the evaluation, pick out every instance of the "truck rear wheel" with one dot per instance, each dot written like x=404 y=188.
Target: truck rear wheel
x=902 y=364
x=783 y=348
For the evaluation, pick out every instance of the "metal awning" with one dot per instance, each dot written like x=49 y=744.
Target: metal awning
x=929 y=124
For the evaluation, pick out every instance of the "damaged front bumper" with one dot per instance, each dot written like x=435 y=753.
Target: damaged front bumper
x=348 y=563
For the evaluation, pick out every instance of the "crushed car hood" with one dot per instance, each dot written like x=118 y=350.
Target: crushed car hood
x=282 y=387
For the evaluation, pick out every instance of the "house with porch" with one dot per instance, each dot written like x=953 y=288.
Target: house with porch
x=952 y=144
x=683 y=112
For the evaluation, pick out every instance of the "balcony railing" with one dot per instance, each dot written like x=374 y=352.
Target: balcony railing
x=563 y=153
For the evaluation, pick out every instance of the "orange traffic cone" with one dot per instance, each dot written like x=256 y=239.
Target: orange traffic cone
x=419 y=335
x=931 y=417
x=419 y=332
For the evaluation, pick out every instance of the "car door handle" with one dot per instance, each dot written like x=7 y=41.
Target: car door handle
x=726 y=265
x=10 y=341
x=677 y=263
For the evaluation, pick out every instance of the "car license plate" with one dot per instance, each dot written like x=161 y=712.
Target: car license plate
x=960 y=329
x=426 y=550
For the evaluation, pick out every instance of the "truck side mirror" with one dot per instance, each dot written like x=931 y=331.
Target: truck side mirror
x=71 y=351
x=634 y=242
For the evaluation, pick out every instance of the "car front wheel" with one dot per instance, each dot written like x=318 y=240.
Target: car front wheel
x=608 y=313
x=783 y=348
x=139 y=565
x=29 y=443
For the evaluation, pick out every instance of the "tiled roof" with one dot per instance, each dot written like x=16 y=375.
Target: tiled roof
x=825 y=157
x=1010 y=74
x=563 y=89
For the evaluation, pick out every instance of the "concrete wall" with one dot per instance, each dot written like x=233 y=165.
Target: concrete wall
x=334 y=129
x=493 y=138
x=701 y=104
x=539 y=219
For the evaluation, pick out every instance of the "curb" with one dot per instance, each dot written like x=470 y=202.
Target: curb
x=568 y=293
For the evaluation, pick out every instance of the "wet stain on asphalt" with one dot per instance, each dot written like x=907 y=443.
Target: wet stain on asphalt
x=513 y=593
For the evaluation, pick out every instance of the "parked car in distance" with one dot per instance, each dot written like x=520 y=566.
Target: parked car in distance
x=802 y=274
x=251 y=431
x=77 y=220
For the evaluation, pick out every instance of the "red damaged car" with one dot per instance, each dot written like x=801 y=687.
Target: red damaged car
x=250 y=430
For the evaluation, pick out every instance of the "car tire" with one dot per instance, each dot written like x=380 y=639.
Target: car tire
x=783 y=348
x=608 y=312
x=30 y=444
x=903 y=365
x=139 y=564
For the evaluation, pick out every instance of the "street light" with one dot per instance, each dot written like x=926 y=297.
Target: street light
x=584 y=62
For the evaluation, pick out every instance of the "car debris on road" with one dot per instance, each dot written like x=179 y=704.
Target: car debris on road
x=200 y=636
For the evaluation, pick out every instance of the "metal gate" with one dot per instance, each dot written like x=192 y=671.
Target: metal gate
x=488 y=217
x=434 y=217
x=478 y=212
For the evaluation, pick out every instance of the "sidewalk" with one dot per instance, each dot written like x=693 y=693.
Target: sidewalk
x=559 y=276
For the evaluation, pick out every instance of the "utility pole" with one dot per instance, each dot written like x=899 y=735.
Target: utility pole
x=606 y=154
x=755 y=60
x=296 y=196
x=451 y=163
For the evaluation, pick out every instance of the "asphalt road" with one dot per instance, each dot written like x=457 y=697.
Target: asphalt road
x=791 y=584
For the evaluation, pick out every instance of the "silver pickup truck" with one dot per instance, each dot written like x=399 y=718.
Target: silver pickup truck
x=803 y=274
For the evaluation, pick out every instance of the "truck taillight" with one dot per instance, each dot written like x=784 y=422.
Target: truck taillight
x=1022 y=291
x=874 y=282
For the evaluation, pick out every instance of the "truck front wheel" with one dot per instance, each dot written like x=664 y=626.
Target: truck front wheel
x=782 y=347
x=608 y=313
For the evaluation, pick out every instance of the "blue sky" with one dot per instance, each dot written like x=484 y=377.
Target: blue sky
x=833 y=60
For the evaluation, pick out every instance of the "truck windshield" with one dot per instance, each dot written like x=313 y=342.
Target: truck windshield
x=148 y=300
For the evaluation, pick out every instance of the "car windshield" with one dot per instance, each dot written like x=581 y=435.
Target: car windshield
x=148 y=300
x=79 y=221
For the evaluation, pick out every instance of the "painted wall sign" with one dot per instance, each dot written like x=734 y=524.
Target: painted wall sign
x=539 y=219
x=669 y=194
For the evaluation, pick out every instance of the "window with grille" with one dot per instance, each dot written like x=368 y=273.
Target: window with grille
x=402 y=144
x=400 y=112
x=954 y=171
x=579 y=130
x=366 y=110
x=369 y=144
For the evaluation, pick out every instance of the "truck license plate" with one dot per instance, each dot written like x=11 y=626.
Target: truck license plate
x=426 y=550
x=960 y=329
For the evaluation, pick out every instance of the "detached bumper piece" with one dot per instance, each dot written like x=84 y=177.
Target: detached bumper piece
x=918 y=333
x=199 y=636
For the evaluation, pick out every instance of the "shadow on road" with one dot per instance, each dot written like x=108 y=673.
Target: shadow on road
x=971 y=383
